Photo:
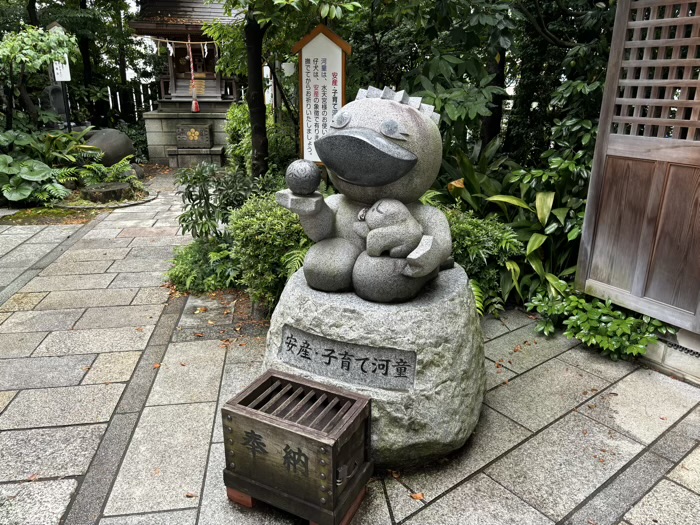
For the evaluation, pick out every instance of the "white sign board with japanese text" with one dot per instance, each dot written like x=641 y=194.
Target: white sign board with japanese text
x=321 y=85
x=61 y=71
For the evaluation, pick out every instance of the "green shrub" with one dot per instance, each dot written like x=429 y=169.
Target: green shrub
x=137 y=133
x=599 y=324
x=484 y=247
x=203 y=266
x=262 y=233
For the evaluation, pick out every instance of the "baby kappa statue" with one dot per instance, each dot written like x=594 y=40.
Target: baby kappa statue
x=374 y=237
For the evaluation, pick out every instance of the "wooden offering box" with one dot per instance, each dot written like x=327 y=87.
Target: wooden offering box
x=298 y=445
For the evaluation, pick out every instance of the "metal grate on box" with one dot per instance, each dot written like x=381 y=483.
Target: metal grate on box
x=300 y=404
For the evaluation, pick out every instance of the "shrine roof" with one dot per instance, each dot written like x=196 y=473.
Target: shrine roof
x=163 y=16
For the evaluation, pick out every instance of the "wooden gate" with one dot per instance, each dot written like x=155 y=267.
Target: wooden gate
x=641 y=240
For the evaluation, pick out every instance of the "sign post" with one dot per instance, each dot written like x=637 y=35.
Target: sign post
x=61 y=74
x=322 y=57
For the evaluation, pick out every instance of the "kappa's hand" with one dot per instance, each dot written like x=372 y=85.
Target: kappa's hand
x=421 y=261
x=302 y=205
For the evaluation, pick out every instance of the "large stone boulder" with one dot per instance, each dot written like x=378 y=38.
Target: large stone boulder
x=115 y=144
x=422 y=362
x=107 y=192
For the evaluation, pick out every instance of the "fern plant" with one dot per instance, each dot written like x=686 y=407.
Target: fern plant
x=119 y=172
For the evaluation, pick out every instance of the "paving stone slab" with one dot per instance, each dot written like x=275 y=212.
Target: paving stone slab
x=95 y=243
x=119 y=316
x=165 y=461
x=515 y=318
x=643 y=405
x=54 y=234
x=205 y=311
x=112 y=368
x=43 y=372
x=690 y=426
x=496 y=374
x=147 y=232
x=165 y=253
x=135 y=216
x=28 y=230
x=178 y=240
x=399 y=495
x=246 y=350
x=126 y=223
x=139 y=264
x=48 y=320
x=94 y=254
x=494 y=435
x=138 y=279
x=48 y=452
x=687 y=473
x=134 y=399
x=10 y=242
x=152 y=295
x=88 y=298
x=674 y=445
x=189 y=373
x=53 y=407
x=36 y=503
x=4 y=316
x=480 y=501
x=167 y=223
x=19 y=345
x=5 y=398
x=164 y=329
x=233 y=380
x=216 y=508
x=576 y=455
x=524 y=348
x=177 y=517
x=7 y=276
x=75 y=268
x=542 y=394
x=610 y=504
x=103 y=234
x=94 y=490
x=68 y=282
x=26 y=255
x=595 y=363
x=22 y=301
x=99 y=340
x=492 y=327
x=666 y=504
x=105 y=231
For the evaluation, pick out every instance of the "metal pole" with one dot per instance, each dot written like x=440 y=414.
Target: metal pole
x=64 y=89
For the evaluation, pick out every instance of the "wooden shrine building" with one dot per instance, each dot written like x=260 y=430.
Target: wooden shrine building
x=176 y=134
x=641 y=235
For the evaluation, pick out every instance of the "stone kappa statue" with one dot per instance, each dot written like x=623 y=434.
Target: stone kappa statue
x=374 y=237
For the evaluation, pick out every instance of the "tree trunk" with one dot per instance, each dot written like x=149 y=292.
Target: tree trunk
x=491 y=125
x=128 y=112
x=255 y=96
x=26 y=100
x=31 y=11
x=10 y=112
x=84 y=47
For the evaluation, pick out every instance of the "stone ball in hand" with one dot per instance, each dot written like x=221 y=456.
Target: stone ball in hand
x=303 y=177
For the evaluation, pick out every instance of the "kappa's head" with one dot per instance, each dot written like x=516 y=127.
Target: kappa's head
x=382 y=145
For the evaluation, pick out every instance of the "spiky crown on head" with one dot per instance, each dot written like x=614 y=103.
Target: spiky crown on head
x=402 y=98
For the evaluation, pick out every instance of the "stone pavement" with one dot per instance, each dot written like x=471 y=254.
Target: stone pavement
x=110 y=390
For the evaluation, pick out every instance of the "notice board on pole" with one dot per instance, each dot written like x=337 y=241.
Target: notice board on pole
x=322 y=56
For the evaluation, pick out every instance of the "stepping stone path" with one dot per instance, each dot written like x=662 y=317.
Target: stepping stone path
x=110 y=392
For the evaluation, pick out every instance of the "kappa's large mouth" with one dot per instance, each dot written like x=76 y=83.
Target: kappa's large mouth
x=364 y=157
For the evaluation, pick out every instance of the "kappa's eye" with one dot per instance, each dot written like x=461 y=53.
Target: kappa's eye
x=340 y=121
x=393 y=130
